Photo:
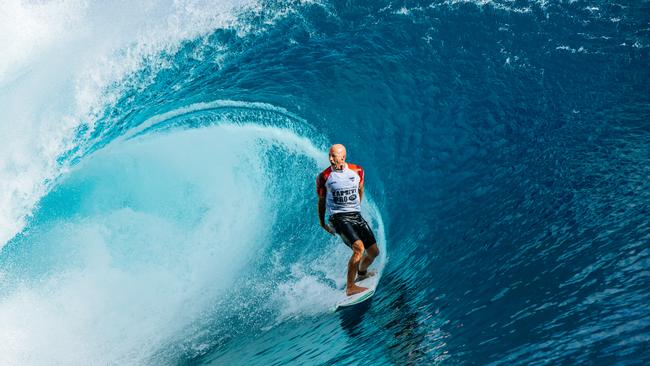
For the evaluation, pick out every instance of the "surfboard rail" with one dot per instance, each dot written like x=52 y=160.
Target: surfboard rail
x=370 y=283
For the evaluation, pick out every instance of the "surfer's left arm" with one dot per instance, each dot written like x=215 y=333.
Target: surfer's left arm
x=361 y=180
x=360 y=192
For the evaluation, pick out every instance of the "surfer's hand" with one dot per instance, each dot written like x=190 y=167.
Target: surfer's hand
x=327 y=228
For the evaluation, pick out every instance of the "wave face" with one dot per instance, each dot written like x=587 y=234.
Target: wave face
x=157 y=166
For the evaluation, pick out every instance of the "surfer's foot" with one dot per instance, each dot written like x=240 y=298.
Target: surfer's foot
x=362 y=275
x=354 y=289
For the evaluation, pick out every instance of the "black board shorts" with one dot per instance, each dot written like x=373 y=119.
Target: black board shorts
x=352 y=227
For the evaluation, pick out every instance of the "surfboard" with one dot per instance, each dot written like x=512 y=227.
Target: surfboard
x=370 y=283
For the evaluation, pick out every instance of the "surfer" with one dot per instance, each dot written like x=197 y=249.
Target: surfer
x=340 y=190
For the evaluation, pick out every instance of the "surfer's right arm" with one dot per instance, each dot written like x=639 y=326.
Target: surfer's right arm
x=321 y=215
x=320 y=190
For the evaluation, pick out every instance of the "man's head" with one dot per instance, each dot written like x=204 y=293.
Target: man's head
x=337 y=156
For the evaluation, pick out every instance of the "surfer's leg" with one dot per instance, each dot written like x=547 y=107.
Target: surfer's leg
x=353 y=265
x=372 y=250
x=371 y=253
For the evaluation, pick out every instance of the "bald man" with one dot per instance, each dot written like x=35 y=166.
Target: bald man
x=340 y=190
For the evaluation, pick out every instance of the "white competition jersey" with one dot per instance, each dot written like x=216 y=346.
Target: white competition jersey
x=341 y=188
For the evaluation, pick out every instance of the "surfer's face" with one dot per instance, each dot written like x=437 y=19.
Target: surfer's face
x=337 y=157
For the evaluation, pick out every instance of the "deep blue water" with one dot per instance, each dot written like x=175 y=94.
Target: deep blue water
x=506 y=146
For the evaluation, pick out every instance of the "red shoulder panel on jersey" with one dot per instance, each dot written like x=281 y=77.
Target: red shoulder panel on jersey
x=320 y=181
x=359 y=171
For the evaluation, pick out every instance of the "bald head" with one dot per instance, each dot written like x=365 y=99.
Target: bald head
x=337 y=156
x=337 y=149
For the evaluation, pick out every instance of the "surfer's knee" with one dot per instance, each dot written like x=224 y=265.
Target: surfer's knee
x=357 y=247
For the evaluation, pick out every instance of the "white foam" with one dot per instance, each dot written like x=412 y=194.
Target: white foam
x=305 y=294
x=63 y=63
x=126 y=281
x=500 y=5
x=581 y=49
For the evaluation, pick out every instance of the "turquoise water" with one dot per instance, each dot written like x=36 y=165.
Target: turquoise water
x=158 y=164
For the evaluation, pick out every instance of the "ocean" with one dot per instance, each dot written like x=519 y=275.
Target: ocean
x=158 y=163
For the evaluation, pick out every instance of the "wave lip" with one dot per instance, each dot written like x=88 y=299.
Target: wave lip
x=65 y=64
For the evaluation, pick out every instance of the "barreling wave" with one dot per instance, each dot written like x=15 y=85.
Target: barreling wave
x=179 y=229
x=157 y=166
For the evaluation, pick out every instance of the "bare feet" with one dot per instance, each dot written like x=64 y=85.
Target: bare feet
x=354 y=289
